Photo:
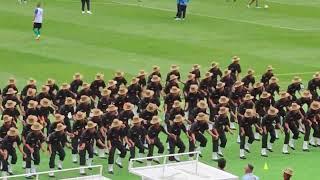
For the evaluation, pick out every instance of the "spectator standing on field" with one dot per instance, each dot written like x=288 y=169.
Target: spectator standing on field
x=84 y=3
x=37 y=20
x=182 y=8
x=248 y=170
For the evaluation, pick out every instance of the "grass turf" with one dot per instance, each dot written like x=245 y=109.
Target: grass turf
x=129 y=35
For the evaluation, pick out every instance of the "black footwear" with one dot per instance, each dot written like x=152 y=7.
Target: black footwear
x=243 y=157
x=221 y=155
x=119 y=165
x=139 y=161
x=10 y=173
x=270 y=150
x=313 y=145
x=83 y=174
x=292 y=148
x=29 y=177
x=285 y=153
x=200 y=155
x=306 y=150
x=156 y=161
x=110 y=172
x=264 y=155
x=247 y=150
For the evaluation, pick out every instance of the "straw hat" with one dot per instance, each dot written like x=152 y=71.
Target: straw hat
x=77 y=76
x=294 y=107
x=316 y=75
x=155 y=78
x=151 y=107
x=223 y=110
x=191 y=76
x=90 y=125
x=13 y=132
x=273 y=111
x=284 y=94
x=248 y=97
x=220 y=85
x=258 y=85
x=45 y=102
x=96 y=112
x=134 y=80
x=136 y=120
x=178 y=119
x=7 y=118
x=207 y=75
x=176 y=104
x=273 y=80
x=31 y=92
x=122 y=90
x=306 y=94
x=11 y=81
x=45 y=88
x=85 y=85
x=36 y=126
x=31 y=81
x=265 y=95
x=315 y=105
x=155 y=68
x=174 y=67
x=105 y=92
x=65 y=86
x=214 y=64
x=296 y=79
x=195 y=66
x=59 y=117
x=194 y=88
x=11 y=91
x=202 y=104
x=116 y=123
x=32 y=104
x=148 y=93
x=269 y=68
x=238 y=84
x=202 y=117
x=119 y=74
x=85 y=99
x=60 y=127
x=223 y=100
x=112 y=83
x=79 y=116
x=50 y=82
x=288 y=171
x=249 y=113
x=31 y=119
x=250 y=72
x=128 y=106
x=155 y=120
x=174 y=90
x=99 y=76
x=112 y=108
x=69 y=101
x=226 y=72
x=142 y=73
x=10 y=104
x=173 y=77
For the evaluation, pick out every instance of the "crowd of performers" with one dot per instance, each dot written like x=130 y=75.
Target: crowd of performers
x=116 y=118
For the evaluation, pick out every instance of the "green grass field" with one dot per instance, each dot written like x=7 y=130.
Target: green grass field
x=129 y=35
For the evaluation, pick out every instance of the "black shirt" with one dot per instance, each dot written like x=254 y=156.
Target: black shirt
x=266 y=77
x=115 y=134
x=268 y=120
x=137 y=132
x=57 y=139
x=177 y=128
x=247 y=80
x=35 y=140
x=75 y=84
x=292 y=117
x=88 y=137
x=221 y=122
x=8 y=142
x=293 y=88
x=154 y=131
x=197 y=127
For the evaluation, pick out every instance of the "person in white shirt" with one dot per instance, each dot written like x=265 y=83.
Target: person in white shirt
x=84 y=2
x=249 y=173
x=37 y=20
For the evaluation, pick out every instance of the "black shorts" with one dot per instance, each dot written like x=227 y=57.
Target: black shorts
x=37 y=25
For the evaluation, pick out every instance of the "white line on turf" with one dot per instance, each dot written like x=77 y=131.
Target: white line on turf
x=203 y=15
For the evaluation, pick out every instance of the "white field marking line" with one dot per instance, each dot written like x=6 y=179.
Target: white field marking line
x=286 y=3
x=202 y=15
x=293 y=73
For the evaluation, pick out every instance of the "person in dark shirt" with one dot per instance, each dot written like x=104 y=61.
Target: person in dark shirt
x=56 y=142
x=267 y=125
x=174 y=70
x=45 y=110
x=134 y=92
x=45 y=94
x=257 y=90
x=85 y=105
x=175 y=140
x=96 y=117
x=115 y=141
x=196 y=71
x=202 y=106
x=105 y=100
x=11 y=110
x=291 y=123
x=63 y=93
x=8 y=145
x=245 y=123
x=305 y=99
x=249 y=79
x=31 y=84
x=227 y=80
x=314 y=85
x=86 y=142
x=225 y=102
x=153 y=138
x=58 y=118
x=148 y=97
x=176 y=110
x=173 y=82
x=169 y=100
x=311 y=121
x=68 y=110
x=206 y=85
x=221 y=125
x=216 y=72
x=267 y=76
x=217 y=93
x=76 y=83
x=294 y=87
x=53 y=87
x=33 y=144
x=111 y=114
x=148 y=113
x=11 y=85
x=126 y=115
x=263 y=104
x=78 y=127
x=11 y=96
x=193 y=97
x=196 y=133
x=246 y=104
x=273 y=88
x=190 y=81
x=30 y=96
x=7 y=124
x=31 y=109
x=97 y=84
x=155 y=86
x=112 y=86
x=238 y=93
x=155 y=71
x=136 y=136
x=119 y=77
x=142 y=79
x=235 y=68
x=85 y=91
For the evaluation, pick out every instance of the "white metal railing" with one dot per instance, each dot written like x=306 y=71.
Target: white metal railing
x=62 y=170
x=165 y=157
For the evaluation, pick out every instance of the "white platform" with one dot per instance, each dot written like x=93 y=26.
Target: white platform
x=95 y=177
